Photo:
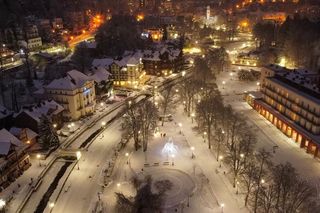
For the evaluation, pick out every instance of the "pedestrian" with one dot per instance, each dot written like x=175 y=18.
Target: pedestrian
x=164 y=135
x=161 y=134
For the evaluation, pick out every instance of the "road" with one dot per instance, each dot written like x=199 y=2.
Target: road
x=84 y=184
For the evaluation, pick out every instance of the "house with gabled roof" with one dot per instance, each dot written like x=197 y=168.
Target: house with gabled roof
x=13 y=158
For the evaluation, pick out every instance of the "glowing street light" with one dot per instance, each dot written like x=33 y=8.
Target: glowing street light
x=220 y=159
x=192 y=149
x=38 y=157
x=180 y=125
x=183 y=73
x=192 y=117
x=78 y=153
x=54 y=125
x=258 y=84
x=204 y=136
x=241 y=155
x=237 y=187
x=101 y=104
x=223 y=83
x=222 y=206
x=177 y=90
x=2 y=204
x=127 y=155
x=103 y=124
x=263 y=181
x=130 y=102
x=118 y=184
x=51 y=205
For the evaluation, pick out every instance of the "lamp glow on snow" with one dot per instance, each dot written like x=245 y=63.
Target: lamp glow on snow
x=169 y=148
x=2 y=204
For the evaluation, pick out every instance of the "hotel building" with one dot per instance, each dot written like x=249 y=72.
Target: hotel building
x=290 y=100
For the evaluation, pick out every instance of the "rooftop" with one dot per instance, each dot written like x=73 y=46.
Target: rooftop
x=48 y=108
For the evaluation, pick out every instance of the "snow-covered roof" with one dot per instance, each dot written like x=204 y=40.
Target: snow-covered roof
x=47 y=108
x=4 y=148
x=99 y=74
x=17 y=132
x=4 y=112
x=7 y=137
x=78 y=77
x=104 y=62
x=72 y=81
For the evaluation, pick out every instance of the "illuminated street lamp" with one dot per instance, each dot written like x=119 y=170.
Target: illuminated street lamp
x=263 y=181
x=183 y=73
x=220 y=159
x=231 y=74
x=51 y=205
x=78 y=158
x=223 y=83
x=222 y=206
x=192 y=149
x=127 y=155
x=130 y=102
x=2 y=204
x=103 y=124
x=237 y=187
x=54 y=125
x=177 y=90
x=204 y=136
x=101 y=104
x=258 y=84
x=192 y=117
x=180 y=125
x=38 y=157
x=241 y=155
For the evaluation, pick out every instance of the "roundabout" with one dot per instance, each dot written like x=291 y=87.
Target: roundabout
x=182 y=185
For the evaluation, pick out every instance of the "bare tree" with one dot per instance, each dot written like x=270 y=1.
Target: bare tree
x=132 y=123
x=148 y=115
x=188 y=88
x=167 y=100
x=237 y=153
x=219 y=139
x=207 y=113
x=263 y=158
x=249 y=176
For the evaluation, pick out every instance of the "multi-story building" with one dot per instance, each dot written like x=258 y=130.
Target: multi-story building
x=75 y=92
x=128 y=71
x=13 y=158
x=291 y=101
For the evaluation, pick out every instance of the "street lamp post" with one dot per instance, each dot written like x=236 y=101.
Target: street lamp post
x=220 y=159
x=192 y=117
x=237 y=187
x=258 y=84
x=222 y=206
x=192 y=152
x=38 y=157
x=78 y=158
x=51 y=205
x=2 y=204
x=204 y=136
x=172 y=158
x=180 y=125
x=127 y=155
x=223 y=83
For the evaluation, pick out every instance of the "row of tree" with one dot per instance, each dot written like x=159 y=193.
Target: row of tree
x=266 y=187
x=295 y=39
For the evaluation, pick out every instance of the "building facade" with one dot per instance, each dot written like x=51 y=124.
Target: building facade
x=75 y=92
x=291 y=101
